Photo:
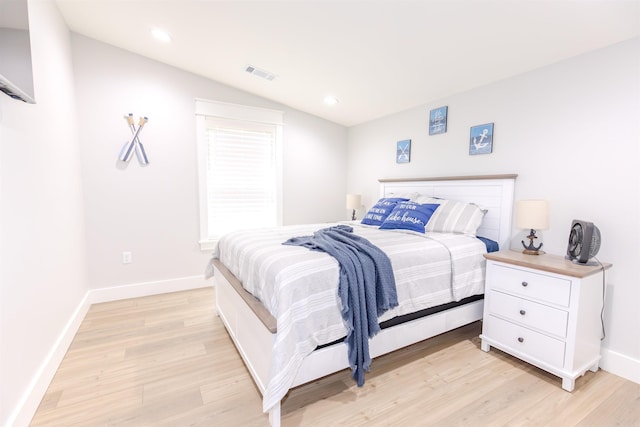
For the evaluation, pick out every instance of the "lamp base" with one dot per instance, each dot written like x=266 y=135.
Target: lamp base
x=531 y=249
x=353 y=215
x=532 y=252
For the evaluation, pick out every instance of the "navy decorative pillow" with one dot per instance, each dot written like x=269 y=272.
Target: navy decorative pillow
x=381 y=210
x=409 y=216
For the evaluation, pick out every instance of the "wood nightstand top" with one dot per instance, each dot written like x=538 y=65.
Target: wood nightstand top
x=547 y=262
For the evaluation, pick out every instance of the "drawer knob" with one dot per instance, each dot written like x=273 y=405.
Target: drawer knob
x=520 y=339
x=525 y=284
x=522 y=312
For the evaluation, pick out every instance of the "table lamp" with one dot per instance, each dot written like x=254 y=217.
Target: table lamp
x=353 y=203
x=534 y=215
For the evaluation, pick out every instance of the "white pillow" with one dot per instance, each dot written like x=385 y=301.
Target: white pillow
x=453 y=216
x=408 y=196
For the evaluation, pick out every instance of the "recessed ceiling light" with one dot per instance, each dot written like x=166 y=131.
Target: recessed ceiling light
x=331 y=100
x=161 y=35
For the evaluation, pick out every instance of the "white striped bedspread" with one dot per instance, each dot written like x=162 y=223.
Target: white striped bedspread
x=300 y=287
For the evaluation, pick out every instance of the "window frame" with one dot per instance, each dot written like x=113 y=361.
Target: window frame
x=228 y=111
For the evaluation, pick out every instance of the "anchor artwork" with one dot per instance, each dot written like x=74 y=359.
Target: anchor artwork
x=481 y=139
x=135 y=145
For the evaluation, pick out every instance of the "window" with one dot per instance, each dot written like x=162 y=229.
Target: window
x=239 y=158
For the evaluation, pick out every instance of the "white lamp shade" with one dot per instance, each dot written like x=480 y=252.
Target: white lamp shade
x=354 y=201
x=533 y=214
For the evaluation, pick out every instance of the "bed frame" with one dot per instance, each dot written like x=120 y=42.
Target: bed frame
x=253 y=329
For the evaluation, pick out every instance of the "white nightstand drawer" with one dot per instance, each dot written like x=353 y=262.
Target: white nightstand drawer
x=538 y=316
x=536 y=286
x=525 y=341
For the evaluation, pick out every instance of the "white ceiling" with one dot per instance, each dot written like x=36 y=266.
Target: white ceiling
x=377 y=57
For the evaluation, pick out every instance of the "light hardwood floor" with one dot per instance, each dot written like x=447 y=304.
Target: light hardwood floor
x=167 y=360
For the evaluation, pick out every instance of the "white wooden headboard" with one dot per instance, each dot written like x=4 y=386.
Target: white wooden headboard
x=491 y=192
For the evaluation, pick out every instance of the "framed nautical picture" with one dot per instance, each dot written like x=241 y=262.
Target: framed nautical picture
x=481 y=139
x=438 y=120
x=403 y=151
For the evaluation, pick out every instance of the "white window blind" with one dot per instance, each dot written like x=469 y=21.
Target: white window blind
x=239 y=162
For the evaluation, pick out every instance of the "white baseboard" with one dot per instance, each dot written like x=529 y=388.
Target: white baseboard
x=26 y=408
x=620 y=365
x=135 y=290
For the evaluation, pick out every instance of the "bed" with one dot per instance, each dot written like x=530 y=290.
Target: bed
x=277 y=349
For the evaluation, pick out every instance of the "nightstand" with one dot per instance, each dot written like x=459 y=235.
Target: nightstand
x=545 y=310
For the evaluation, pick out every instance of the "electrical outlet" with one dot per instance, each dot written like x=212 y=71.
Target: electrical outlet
x=126 y=257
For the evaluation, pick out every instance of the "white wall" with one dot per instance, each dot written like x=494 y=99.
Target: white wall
x=315 y=173
x=43 y=234
x=69 y=209
x=571 y=132
x=152 y=211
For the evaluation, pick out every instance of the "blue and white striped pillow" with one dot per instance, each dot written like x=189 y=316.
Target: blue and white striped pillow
x=453 y=216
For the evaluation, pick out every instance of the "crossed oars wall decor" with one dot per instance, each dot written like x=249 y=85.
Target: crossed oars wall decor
x=135 y=144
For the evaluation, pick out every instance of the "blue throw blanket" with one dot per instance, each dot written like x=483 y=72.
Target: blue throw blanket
x=366 y=288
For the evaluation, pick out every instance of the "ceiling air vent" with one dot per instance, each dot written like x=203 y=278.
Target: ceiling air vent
x=260 y=73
